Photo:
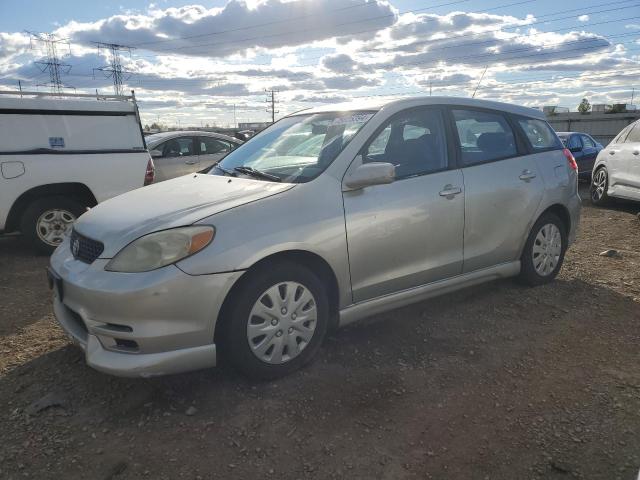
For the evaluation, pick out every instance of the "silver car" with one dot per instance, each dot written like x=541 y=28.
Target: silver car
x=328 y=216
x=182 y=152
x=616 y=173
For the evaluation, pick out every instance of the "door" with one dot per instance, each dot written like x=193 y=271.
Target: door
x=627 y=166
x=178 y=158
x=212 y=150
x=409 y=232
x=589 y=154
x=502 y=187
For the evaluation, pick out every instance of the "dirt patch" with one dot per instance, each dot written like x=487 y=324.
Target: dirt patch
x=497 y=381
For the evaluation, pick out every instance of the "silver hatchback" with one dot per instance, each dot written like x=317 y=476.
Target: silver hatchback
x=328 y=216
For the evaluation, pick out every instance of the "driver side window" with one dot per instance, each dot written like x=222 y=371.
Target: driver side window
x=413 y=141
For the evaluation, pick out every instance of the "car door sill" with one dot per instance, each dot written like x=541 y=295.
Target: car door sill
x=361 y=310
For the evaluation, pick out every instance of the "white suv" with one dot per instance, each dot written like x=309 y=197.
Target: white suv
x=60 y=156
x=617 y=169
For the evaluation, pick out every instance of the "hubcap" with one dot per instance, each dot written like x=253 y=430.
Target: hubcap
x=599 y=185
x=547 y=248
x=53 y=225
x=282 y=322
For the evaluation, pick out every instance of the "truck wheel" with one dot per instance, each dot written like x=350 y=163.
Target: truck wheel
x=277 y=321
x=47 y=220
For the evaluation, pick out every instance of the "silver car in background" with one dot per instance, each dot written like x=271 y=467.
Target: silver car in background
x=328 y=216
x=616 y=173
x=182 y=152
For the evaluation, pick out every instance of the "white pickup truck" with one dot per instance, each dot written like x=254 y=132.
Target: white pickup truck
x=62 y=154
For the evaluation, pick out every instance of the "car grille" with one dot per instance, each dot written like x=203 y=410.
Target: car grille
x=85 y=249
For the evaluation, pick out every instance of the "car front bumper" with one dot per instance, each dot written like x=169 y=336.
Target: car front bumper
x=139 y=324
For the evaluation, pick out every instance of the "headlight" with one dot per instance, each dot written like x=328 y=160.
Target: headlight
x=159 y=249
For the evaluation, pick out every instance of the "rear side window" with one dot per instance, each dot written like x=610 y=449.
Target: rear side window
x=587 y=141
x=483 y=136
x=539 y=133
x=634 y=135
x=210 y=145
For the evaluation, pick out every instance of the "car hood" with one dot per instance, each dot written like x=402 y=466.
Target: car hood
x=174 y=203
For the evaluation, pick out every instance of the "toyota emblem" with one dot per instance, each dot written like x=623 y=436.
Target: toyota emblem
x=75 y=247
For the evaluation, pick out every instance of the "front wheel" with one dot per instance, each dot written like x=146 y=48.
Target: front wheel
x=599 y=187
x=277 y=321
x=47 y=220
x=544 y=251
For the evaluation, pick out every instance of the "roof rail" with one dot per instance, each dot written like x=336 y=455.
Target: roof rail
x=71 y=95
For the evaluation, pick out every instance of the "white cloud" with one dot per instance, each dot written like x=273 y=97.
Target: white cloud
x=583 y=18
x=323 y=51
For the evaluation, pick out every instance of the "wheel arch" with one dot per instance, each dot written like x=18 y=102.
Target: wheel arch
x=71 y=189
x=311 y=260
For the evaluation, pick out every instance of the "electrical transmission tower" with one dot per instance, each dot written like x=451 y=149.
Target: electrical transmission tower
x=114 y=69
x=271 y=102
x=52 y=64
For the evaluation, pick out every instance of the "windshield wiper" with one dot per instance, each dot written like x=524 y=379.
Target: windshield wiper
x=257 y=173
x=224 y=170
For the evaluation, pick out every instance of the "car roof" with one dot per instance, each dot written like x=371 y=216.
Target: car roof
x=421 y=101
x=179 y=133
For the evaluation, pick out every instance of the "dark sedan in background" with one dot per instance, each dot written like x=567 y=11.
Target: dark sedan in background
x=584 y=149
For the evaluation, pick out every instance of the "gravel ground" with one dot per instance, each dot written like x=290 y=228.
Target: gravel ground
x=494 y=382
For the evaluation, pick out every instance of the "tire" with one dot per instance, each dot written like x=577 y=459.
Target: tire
x=45 y=234
x=257 y=295
x=599 y=187
x=535 y=268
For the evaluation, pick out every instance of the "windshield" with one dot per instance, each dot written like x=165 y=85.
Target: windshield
x=296 y=149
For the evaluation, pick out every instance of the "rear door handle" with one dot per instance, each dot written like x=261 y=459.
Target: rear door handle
x=527 y=176
x=190 y=162
x=612 y=152
x=450 y=191
x=636 y=152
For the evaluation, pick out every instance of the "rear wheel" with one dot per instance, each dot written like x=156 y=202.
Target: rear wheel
x=544 y=251
x=599 y=187
x=277 y=321
x=47 y=220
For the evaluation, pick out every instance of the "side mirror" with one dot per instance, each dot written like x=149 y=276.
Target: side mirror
x=369 y=174
x=155 y=153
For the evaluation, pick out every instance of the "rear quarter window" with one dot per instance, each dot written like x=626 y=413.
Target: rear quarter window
x=540 y=135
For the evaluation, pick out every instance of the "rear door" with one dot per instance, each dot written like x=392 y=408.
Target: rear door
x=503 y=187
x=212 y=150
x=178 y=158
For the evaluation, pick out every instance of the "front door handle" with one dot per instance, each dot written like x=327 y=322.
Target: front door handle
x=636 y=152
x=450 y=191
x=527 y=176
x=190 y=162
x=612 y=152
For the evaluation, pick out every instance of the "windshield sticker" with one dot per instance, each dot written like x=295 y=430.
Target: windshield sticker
x=356 y=118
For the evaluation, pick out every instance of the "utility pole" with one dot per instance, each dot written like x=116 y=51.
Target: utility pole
x=53 y=64
x=114 y=69
x=479 y=82
x=271 y=101
x=633 y=95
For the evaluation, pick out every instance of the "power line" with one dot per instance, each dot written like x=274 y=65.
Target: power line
x=114 y=69
x=271 y=101
x=52 y=65
x=306 y=30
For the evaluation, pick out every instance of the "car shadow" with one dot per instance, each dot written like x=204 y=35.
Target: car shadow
x=418 y=371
